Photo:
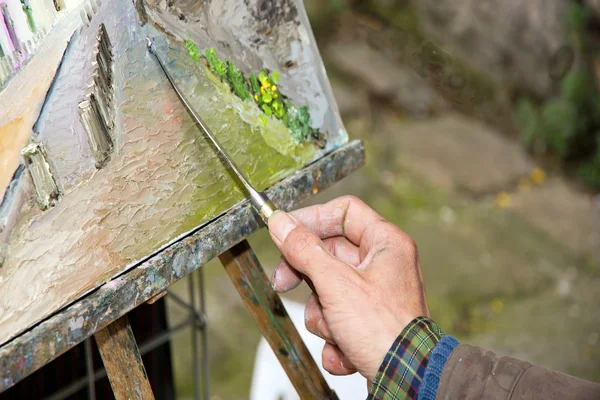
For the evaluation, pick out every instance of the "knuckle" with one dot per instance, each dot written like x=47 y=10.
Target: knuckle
x=400 y=240
x=352 y=200
x=409 y=247
x=385 y=234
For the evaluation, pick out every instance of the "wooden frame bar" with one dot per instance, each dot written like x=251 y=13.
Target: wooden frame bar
x=275 y=324
x=123 y=361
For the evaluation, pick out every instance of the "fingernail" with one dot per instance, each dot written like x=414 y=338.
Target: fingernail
x=274 y=280
x=280 y=225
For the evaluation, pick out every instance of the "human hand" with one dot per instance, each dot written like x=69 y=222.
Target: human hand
x=366 y=273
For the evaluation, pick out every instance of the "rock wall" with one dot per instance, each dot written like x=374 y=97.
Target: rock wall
x=516 y=42
x=594 y=5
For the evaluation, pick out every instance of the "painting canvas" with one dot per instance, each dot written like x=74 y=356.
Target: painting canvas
x=101 y=165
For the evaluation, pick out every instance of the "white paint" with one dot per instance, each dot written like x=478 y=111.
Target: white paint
x=270 y=382
x=76 y=323
x=44 y=14
x=19 y=20
x=70 y=4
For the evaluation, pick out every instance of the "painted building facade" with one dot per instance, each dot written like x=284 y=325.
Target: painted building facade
x=23 y=25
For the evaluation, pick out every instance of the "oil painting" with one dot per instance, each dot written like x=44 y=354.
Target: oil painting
x=100 y=163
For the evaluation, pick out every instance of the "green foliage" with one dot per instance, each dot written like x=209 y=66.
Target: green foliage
x=577 y=16
x=254 y=85
x=590 y=171
x=526 y=114
x=278 y=109
x=337 y=5
x=267 y=109
x=192 y=50
x=237 y=82
x=215 y=64
x=262 y=77
x=267 y=96
x=569 y=123
x=299 y=123
x=263 y=90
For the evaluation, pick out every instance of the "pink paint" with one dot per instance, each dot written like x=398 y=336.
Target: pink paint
x=21 y=363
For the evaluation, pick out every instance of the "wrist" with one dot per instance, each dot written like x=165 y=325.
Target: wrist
x=404 y=365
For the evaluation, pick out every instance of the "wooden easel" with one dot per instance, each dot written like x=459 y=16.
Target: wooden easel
x=105 y=310
x=123 y=362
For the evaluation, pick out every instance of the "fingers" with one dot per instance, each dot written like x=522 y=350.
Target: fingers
x=335 y=362
x=303 y=250
x=285 y=278
x=315 y=320
x=345 y=216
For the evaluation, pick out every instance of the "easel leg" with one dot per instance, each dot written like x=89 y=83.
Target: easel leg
x=123 y=362
x=266 y=307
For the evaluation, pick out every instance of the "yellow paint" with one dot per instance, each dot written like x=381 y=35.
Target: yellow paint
x=13 y=137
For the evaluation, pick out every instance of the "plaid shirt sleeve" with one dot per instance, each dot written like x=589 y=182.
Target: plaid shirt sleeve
x=401 y=372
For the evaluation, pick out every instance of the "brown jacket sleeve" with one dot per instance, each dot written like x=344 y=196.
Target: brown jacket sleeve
x=473 y=373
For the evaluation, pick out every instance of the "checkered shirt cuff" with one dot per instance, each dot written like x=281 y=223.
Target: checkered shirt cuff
x=401 y=373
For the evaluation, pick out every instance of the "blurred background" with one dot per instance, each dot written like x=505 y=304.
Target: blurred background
x=481 y=122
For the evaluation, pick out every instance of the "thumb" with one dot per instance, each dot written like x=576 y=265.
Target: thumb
x=302 y=249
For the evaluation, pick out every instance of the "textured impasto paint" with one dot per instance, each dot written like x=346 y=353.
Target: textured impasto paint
x=160 y=178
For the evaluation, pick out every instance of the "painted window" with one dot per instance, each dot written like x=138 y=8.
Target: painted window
x=45 y=186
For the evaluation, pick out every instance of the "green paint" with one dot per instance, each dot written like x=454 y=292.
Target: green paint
x=263 y=91
x=236 y=80
x=215 y=64
x=259 y=289
x=29 y=14
x=192 y=50
x=265 y=151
